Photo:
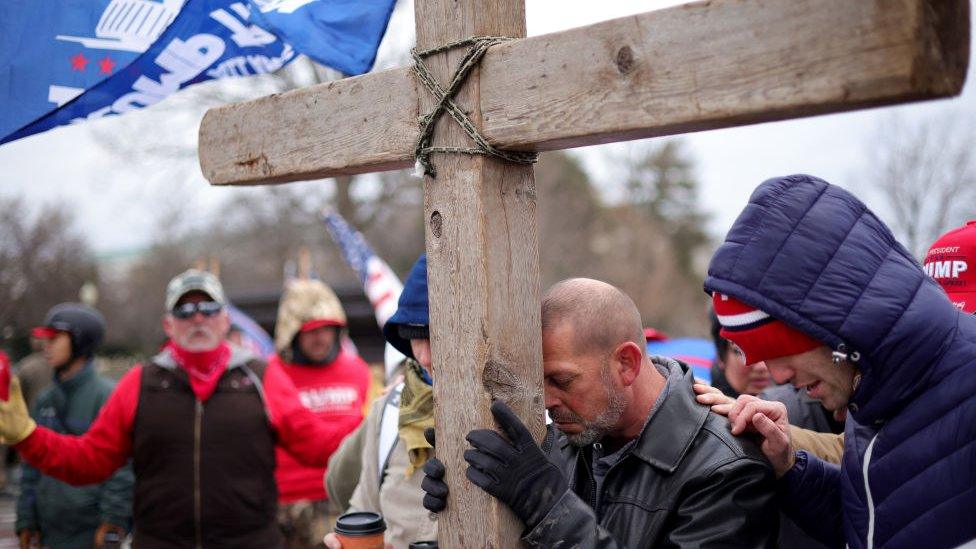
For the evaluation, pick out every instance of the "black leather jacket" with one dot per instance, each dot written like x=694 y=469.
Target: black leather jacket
x=687 y=482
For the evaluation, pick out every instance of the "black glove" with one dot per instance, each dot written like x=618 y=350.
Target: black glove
x=433 y=484
x=516 y=472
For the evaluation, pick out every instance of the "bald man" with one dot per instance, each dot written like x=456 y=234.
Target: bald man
x=631 y=460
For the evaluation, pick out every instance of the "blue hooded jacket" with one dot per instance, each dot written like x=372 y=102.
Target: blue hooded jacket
x=413 y=308
x=812 y=255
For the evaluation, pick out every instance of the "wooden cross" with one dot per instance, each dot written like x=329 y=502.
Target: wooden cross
x=695 y=67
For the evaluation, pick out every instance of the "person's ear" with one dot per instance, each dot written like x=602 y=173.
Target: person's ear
x=225 y=321
x=630 y=358
x=168 y=326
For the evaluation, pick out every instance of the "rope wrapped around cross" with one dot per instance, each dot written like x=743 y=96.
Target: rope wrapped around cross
x=478 y=46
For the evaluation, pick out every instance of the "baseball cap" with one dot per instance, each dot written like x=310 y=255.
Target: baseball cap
x=951 y=261
x=44 y=332
x=194 y=280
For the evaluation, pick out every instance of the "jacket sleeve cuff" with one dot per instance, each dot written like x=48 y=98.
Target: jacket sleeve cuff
x=795 y=474
x=567 y=510
x=809 y=493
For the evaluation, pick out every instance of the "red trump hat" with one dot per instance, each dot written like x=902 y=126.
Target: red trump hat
x=951 y=261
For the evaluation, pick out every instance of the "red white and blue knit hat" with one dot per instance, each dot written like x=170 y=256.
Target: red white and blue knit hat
x=760 y=336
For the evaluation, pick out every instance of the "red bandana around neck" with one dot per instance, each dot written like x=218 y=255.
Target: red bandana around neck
x=204 y=368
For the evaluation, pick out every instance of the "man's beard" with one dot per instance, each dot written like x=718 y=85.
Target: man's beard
x=602 y=424
x=199 y=339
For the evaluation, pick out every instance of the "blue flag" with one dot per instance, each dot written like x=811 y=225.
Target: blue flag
x=342 y=34
x=250 y=334
x=697 y=353
x=53 y=50
x=208 y=39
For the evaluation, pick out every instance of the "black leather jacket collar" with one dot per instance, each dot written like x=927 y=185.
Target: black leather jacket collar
x=669 y=434
x=688 y=481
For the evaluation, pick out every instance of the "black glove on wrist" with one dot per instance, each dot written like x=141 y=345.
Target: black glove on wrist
x=435 y=498
x=515 y=470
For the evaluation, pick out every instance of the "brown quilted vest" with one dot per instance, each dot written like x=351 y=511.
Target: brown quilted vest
x=204 y=472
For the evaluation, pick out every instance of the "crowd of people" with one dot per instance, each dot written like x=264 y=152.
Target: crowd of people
x=841 y=412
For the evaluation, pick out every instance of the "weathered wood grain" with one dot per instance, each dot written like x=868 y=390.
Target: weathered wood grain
x=694 y=67
x=716 y=64
x=483 y=271
x=356 y=125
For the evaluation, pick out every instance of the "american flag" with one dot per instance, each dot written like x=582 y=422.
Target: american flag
x=380 y=284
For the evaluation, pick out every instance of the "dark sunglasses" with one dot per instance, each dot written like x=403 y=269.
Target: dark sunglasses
x=187 y=310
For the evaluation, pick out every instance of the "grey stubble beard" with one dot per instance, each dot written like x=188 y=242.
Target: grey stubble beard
x=606 y=421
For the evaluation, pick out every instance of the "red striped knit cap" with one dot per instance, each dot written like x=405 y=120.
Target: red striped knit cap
x=760 y=336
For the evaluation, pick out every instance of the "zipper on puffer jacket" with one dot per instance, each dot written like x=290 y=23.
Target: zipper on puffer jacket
x=869 y=542
x=197 y=499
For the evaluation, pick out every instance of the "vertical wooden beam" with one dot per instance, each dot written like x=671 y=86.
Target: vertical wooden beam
x=483 y=270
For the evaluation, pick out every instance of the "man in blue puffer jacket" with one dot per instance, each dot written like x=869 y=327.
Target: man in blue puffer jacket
x=811 y=281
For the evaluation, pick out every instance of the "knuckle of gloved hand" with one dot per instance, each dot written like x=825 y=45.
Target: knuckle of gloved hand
x=434 y=468
x=473 y=438
x=434 y=504
x=434 y=487
x=472 y=474
x=470 y=455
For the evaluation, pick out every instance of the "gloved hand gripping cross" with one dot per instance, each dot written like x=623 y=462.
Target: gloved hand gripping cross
x=513 y=470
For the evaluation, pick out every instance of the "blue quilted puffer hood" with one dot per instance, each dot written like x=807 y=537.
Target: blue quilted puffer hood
x=413 y=307
x=812 y=255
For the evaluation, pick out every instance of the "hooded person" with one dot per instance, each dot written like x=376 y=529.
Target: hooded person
x=200 y=420
x=394 y=448
x=813 y=283
x=49 y=512
x=332 y=383
x=733 y=377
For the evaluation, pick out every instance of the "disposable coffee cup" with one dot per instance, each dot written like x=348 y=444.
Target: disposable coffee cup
x=423 y=545
x=360 y=530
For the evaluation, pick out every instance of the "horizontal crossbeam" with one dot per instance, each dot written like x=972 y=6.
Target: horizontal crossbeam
x=694 y=67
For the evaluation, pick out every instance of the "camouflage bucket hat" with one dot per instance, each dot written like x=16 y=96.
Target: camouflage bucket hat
x=306 y=301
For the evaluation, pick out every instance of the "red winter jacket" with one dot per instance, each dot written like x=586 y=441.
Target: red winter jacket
x=107 y=444
x=336 y=393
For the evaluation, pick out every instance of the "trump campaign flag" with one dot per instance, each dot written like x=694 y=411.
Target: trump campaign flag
x=342 y=34
x=207 y=39
x=380 y=284
x=53 y=50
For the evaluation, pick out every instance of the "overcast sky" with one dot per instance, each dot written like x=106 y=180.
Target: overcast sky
x=117 y=201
